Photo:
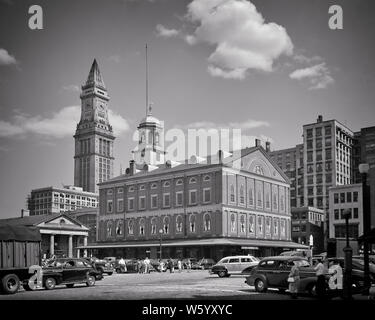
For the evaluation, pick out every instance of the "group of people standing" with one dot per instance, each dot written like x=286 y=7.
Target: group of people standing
x=324 y=271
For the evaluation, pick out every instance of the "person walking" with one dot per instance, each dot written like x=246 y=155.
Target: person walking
x=170 y=265
x=122 y=265
x=147 y=265
x=294 y=279
x=188 y=265
x=179 y=265
x=321 y=271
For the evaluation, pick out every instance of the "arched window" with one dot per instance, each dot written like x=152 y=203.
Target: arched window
x=154 y=186
x=179 y=224
x=109 y=228
x=166 y=184
x=142 y=227
x=242 y=224
x=179 y=182
x=119 y=227
x=153 y=226
x=166 y=225
x=207 y=222
x=260 y=225
x=251 y=196
x=232 y=198
x=251 y=223
x=242 y=195
x=192 y=222
x=142 y=187
x=232 y=223
x=207 y=178
x=131 y=227
x=62 y=221
x=131 y=189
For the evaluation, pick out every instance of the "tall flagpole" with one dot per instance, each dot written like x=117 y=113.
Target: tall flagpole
x=146 y=82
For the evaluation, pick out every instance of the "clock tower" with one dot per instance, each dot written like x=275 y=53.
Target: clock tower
x=93 y=159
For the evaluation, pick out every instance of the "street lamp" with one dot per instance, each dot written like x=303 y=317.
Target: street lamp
x=161 y=233
x=364 y=169
x=348 y=258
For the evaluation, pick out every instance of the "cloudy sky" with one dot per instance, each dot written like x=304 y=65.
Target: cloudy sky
x=265 y=66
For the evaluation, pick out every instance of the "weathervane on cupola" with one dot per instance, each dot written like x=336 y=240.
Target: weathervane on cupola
x=150 y=148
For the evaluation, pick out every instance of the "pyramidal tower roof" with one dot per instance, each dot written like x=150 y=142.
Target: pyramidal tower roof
x=95 y=77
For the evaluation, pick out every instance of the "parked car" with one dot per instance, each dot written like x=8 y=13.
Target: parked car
x=233 y=265
x=111 y=260
x=192 y=261
x=69 y=271
x=205 y=264
x=101 y=265
x=272 y=272
x=298 y=253
x=131 y=266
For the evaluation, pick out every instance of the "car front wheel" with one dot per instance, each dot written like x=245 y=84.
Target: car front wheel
x=90 y=281
x=10 y=283
x=260 y=286
x=222 y=274
x=50 y=283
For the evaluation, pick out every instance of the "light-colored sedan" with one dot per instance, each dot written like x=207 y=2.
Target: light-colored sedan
x=234 y=265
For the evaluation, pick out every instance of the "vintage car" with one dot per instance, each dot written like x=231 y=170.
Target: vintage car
x=234 y=265
x=69 y=271
x=205 y=263
x=102 y=266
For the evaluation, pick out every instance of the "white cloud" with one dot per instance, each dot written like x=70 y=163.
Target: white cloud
x=301 y=58
x=319 y=76
x=61 y=124
x=165 y=32
x=6 y=58
x=240 y=35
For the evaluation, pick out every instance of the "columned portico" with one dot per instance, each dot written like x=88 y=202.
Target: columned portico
x=70 y=246
x=52 y=244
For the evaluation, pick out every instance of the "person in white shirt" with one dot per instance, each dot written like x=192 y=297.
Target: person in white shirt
x=147 y=265
x=122 y=265
x=321 y=271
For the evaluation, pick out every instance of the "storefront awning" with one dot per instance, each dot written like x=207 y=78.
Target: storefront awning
x=201 y=242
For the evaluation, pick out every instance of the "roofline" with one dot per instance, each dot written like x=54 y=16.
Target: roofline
x=326 y=121
x=52 y=188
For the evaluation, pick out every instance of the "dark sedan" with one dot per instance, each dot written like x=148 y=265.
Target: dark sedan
x=69 y=271
x=272 y=272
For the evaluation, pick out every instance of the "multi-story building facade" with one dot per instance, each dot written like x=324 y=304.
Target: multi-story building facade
x=324 y=160
x=345 y=197
x=51 y=200
x=203 y=209
x=93 y=160
x=307 y=221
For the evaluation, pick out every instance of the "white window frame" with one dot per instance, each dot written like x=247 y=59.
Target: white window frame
x=196 y=196
x=139 y=202
x=179 y=182
x=179 y=230
x=142 y=187
x=120 y=190
x=129 y=200
x=182 y=198
x=153 y=196
x=131 y=189
x=154 y=185
x=109 y=192
x=164 y=194
x=206 y=178
x=204 y=195
x=118 y=205
x=205 y=227
x=131 y=231
x=166 y=184
x=192 y=180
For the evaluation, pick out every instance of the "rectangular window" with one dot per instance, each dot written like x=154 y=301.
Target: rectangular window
x=328 y=142
x=309 y=144
x=336 y=198
x=166 y=200
x=154 y=201
x=328 y=178
x=355 y=213
x=192 y=197
x=207 y=195
x=318 y=132
x=319 y=178
x=318 y=143
x=309 y=133
x=131 y=204
x=340 y=231
x=355 y=196
x=342 y=197
x=336 y=213
x=142 y=203
x=327 y=130
x=309 y=156
x=109 y=206
x=310 y=180
x=348 y=197
x=310 y=191
x=179 y=198
x=120 y=205
x=310 y=202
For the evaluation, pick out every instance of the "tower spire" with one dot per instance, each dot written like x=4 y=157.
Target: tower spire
x=95 y=77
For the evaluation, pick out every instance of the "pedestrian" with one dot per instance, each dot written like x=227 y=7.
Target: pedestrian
x=179 y=264
x=139 y=266
x=122 y=265
x=293 y=279
x=170 y=265
x=188 y=265
x=147 y=265
x=321 y=272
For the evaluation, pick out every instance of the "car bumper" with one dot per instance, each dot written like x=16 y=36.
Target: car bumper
x=249 y=281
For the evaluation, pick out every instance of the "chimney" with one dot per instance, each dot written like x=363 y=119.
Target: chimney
x=320 y=118
x=268 y=146
x=131 y=167
x=25 y=213
x=257 y=142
